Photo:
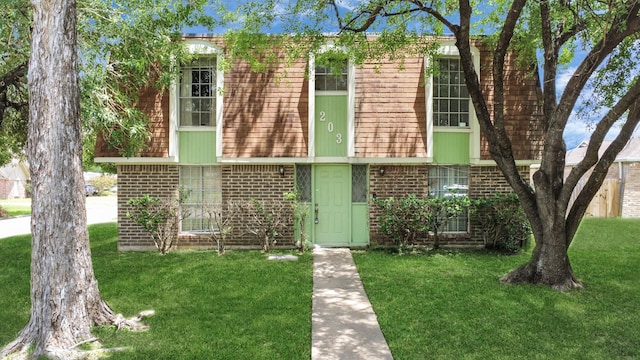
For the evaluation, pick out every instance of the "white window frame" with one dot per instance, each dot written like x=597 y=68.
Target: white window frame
x=351 y=100
x=448 y=49
x=215 y=191
x=204 y=48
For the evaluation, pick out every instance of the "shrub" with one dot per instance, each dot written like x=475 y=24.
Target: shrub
x=502 y=222
x=440 y=210
x=300 y=211
x=159 y=217
x=220 y=216
x=403 y=219
x=409 y=218
x=265 y=220
x=3 y=212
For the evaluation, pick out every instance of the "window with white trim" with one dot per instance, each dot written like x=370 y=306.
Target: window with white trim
x=451 y=99
x=203 y=185
x=333 y=77
x=451 y=180
x=197 y=95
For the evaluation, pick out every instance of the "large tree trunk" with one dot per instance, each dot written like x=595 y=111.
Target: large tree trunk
x=65 y=300
x=549 y=265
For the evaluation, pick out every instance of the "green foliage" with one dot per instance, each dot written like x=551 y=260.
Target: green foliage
x=124 y=46
x=410 y=218
x=300 y=212
x=502 y=222
x=159 y=217
x=3 y=212
x=440 y=210
x=403 y=219
x=450 y=305
x=103 y=183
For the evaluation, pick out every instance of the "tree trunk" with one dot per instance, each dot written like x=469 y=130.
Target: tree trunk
x=549 y=263
x=65 y=300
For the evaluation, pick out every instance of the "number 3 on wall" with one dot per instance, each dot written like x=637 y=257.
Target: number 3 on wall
x=338 y=138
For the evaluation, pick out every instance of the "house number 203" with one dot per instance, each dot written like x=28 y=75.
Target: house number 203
x=323 y=118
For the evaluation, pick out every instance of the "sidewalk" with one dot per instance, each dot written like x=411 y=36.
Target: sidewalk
x=344 y=325
x=100 y=209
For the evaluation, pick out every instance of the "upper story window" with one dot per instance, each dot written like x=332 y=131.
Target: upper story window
x=333 y=77
x=450 y=94
x=198 y=92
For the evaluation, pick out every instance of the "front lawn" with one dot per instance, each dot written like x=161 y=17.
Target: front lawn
x=450 y=305
x=240 y=306
x=16 y=207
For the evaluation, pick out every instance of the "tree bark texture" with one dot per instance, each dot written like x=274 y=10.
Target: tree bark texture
x=65 y=300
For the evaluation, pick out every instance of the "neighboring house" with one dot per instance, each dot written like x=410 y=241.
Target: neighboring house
x=341 y=140
x=14 y=178
x=620 y=192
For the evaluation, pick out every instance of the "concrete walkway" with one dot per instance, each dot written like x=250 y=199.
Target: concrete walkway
x=100 y=209
x=344 y=325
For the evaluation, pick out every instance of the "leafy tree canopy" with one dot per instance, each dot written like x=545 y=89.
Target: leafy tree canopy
x=122 y=44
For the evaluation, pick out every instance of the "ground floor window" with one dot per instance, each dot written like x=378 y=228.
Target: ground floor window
x=303 y=182
x=203 y=186
x=359 y=184
x=451 y=181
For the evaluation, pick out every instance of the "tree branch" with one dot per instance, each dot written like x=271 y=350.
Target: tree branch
x=629 y=101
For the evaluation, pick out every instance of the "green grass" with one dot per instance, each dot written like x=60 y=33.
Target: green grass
x=450 y=305
x=240 y=306
x=16 y=207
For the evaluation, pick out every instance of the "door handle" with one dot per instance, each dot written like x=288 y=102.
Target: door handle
x=315 y=221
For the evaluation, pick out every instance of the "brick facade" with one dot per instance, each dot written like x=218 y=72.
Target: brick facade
x=161 y=181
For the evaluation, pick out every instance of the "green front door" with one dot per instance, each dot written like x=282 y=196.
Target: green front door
x=332 y=205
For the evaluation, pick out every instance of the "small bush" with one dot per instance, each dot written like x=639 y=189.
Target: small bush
x=159 y=217
x=220 y=218
x=403 y=219
x=502 y=222
x=103 y=183
x=3 y=212
x=300 y=212
x=410 y=218
x=265 y=220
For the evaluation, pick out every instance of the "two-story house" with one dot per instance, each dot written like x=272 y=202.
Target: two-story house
x=340 y=139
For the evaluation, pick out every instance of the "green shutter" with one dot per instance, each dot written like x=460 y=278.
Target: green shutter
x=197 y=147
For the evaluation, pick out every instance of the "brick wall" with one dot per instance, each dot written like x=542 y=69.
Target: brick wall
x=241 y=183
x=397 y=181
x=631 y=191
x=136 y=180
